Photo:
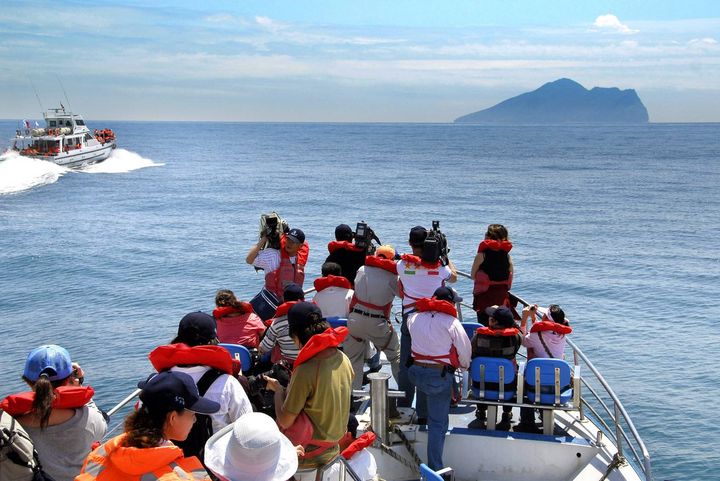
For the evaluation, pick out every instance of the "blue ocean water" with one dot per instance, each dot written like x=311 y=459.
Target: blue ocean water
x=618 y=225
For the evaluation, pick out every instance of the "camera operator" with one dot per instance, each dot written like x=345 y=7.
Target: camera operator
x=420 y=274
x=282 y=266
x=348 y=254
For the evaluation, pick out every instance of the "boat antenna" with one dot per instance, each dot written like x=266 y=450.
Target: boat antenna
x=36 y=94
x=64 y=93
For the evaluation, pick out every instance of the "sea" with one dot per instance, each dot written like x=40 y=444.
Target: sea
x=617 y=224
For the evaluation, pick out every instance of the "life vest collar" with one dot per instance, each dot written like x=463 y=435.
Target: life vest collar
x=505 y=332
x=319 y=342
x=550 y=326
x=335 y=246
x=359 y=444
x=66 y=397
x=413 y=259
x=139 y=461
x=385 y=264
x=283 y=308
x=229 y=311
x=322 y=283
x=164 y=357
x=302 y=255
x=495 y=245
x=431 y=304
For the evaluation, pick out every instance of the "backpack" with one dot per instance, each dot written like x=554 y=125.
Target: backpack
x=201 y=431
x=18 y=458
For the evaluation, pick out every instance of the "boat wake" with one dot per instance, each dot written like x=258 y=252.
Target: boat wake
x=19 y=173
x=120 y=162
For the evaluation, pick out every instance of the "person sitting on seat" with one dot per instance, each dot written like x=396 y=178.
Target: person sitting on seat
x=145 y=450
x=501 y=338
x=277 y=337
x=236 y=321
x=58 y=414
x=333 y=292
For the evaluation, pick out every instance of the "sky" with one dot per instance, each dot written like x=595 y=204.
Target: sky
x=350 y=61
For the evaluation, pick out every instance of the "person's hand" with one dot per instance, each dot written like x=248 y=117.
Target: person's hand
x=272 y=383
x=78 y=375
x=300 y=450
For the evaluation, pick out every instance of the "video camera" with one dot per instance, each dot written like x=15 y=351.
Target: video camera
x=272 y=226
x=435 y=246
x=364 y=236
x=260 y=397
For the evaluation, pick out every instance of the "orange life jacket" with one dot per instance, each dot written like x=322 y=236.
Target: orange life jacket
x=224 y=311
x=413 y=259
x=550 y=326
x=322 y=283
x=358 y=445
x=319 y=342
x=287 y=272
x=66 y=397
x=427 y=304
x=164 y=357
x=495 y=268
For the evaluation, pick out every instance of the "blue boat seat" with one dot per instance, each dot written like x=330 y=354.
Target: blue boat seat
x=470 y=328
x=427 y=474
x=336 y=321
x=493 y=378
x=240 y=352
x=548 y=381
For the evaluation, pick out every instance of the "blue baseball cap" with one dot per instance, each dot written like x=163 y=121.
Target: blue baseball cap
x=296 y=235
x=174 y=391
x=49 y=359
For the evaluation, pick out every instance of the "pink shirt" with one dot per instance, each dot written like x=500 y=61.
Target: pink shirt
x=243 y=329
x=434 y=334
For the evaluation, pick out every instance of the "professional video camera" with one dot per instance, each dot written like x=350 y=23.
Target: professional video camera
x=364 y=236
x=435 y=246
x=262 y=398
x=272 y=226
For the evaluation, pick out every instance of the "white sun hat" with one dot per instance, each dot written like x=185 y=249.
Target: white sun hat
x=251 y=449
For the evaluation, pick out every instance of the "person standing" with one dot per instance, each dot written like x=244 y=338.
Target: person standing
x=333 y=292
x=492 y=271
x=345 y=253
x=282 y=266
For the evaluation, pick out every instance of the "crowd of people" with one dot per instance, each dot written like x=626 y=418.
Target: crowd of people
x=199 y=418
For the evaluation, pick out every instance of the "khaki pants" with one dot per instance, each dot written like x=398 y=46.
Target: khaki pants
x=364 y=329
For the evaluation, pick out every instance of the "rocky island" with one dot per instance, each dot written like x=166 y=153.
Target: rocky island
x=565 y=101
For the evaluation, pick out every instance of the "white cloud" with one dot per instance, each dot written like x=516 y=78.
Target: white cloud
x=610 y=22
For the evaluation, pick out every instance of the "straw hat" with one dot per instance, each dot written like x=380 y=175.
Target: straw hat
x=251 y=449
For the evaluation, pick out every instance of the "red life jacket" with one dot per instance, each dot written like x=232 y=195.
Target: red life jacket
x=432 y=304
x=244 y=308
x=319 y=342
x=495 y=269
x=550 y=326
x=164 y=357
x=66 y=397
x=359 y=444
x=506 y=332
x=282 y=310
x=287 y=272
x=412 y=259
x=385 y=264
x=322 y=283
x=343 y=245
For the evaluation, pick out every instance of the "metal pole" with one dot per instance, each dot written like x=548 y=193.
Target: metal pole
x=618 y=431
x=123 y=402
x=379 y=404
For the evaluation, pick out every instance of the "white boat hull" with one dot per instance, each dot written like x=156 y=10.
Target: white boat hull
x=79 y=158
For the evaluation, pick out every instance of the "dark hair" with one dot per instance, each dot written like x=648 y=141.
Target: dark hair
x=331 y=269
x=44 y=390
x=192 y=337
x=145 y=429
x=226 y=298
x=497 y=232
x=557 y=314
x=307 y=331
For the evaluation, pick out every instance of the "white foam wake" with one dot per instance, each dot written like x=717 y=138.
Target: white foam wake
x=121 y=161
x=18 y=173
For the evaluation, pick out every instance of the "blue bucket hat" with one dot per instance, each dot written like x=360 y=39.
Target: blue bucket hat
x=49 y=359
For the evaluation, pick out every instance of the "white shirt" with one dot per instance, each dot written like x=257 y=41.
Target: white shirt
x=434 y=333
x=269 y=259
x=334 y=301
x=418 y=281
x=226 y=391
x=555 y=343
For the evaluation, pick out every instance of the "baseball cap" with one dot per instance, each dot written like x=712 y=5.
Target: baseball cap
x=170 y=390
x=386 y=251
x=198 y=325
x=293 y=292
x=343 y=232
x=447 y=294
x=49 y=359
x=296 y=235
x=503 y=315
x=417 y=236
x=302 y=315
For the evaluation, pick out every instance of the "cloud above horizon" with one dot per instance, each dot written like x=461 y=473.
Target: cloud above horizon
x=612 y=23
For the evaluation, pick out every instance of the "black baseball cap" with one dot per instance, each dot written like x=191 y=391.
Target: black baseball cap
x=173 y=391
x=296 y=235
x=199 y=326
x=418 y=234
x=302 y=315
x=343 y=232
x=447 y=294
x=503 y=315
x=293 y=292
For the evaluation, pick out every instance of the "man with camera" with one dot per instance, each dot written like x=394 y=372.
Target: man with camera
x=281 y=255
x=348 y=254
x=420 y=274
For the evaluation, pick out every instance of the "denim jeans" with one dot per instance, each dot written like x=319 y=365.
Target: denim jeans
x=403 y=381
x=436 y=387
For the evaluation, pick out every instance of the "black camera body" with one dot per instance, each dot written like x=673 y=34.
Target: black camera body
x=272 y=227
x=364 y=236
x=262 y=398
x=435 y=246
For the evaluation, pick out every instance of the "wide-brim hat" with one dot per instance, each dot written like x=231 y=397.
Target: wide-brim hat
x=251 y=449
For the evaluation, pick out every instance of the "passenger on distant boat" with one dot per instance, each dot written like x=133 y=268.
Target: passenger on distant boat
x=492 y=271
x=501 y=338
x=236 y=321
x=277 y=338
x=546 y=339
x=439 y=346
x=320 y=387
x=144 y=451
x=418 y=279
x=376 y=286
x=284 y=266
x=332 y=291
x=344 y=252
x=193 y=352
x=58 y=414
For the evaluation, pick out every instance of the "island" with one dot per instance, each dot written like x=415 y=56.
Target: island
x=564 y=101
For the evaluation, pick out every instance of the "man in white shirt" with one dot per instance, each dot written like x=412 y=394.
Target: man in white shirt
x=333 y=292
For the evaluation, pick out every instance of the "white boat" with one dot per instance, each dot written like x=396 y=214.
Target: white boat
x=65 y=140
x=586 y=437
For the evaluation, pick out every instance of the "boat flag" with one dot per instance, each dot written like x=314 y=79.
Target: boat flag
x=37 y=124
x=26 y=123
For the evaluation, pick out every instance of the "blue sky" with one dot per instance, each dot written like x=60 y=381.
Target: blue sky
x=367 y=61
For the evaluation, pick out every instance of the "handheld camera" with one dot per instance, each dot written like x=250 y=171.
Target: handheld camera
x=435 y=246
x=272 y=226
x=364 y=236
